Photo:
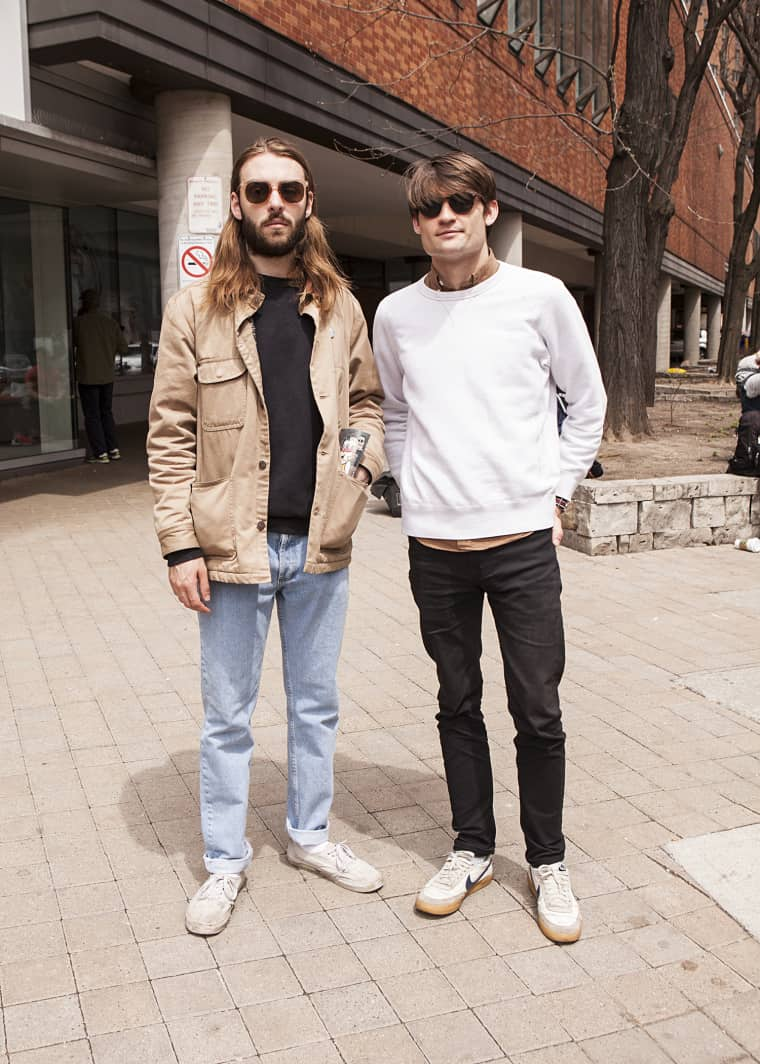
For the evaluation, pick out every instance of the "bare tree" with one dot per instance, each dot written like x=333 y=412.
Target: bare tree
x=649 y=130
x=740 y=75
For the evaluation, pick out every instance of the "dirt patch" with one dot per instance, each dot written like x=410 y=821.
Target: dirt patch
x=688 y=436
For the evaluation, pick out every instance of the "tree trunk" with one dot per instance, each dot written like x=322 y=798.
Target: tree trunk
x=648 y=141
x=754 y=340
x=624 y=268
x=737 y=281
x=628 y=328
x=744 y=96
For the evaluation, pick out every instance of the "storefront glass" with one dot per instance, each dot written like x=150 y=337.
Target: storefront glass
x=36 y=391
x=49 y=256
x=139 y=289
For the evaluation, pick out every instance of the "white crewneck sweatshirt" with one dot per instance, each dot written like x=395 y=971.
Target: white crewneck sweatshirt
x=470 y=380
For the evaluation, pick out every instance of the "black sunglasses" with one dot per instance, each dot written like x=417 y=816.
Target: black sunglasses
x=460 y=203
x=258 y=192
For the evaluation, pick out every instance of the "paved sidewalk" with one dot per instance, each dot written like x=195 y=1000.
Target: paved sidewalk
x=99 y=716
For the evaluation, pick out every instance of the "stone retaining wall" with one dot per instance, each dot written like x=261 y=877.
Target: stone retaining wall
x=622 y=516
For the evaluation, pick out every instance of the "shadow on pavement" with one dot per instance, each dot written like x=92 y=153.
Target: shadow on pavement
x=83 y=478
x=177 y=834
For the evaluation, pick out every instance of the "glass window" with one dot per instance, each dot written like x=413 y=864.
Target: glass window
x=567 y=37
x=520 y=13
x=139 y=290
x=547 y=35
x=602 y=34
x=585 y=43
x=36 y=393
x=92 y=250
x=115 y=253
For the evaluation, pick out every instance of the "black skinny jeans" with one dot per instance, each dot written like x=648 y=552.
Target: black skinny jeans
x=522 y=583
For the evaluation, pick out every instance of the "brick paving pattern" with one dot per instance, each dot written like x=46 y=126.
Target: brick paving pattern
x=99 y=720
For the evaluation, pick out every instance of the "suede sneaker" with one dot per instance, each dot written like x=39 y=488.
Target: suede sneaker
x=463 y=873
x=337 y=862
x=209 y=910
x=559 y=916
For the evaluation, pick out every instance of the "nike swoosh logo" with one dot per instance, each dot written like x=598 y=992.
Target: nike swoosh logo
x=471 y=882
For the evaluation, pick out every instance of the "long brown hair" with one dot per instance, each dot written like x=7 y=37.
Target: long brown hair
x=233 y=276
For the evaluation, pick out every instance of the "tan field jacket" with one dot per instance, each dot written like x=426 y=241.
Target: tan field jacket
x=208 y=441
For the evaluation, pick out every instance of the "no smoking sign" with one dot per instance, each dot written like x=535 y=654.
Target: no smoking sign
x=195 y=255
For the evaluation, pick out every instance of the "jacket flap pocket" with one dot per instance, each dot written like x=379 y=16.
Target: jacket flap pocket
x=224 y=369
x=347 y=502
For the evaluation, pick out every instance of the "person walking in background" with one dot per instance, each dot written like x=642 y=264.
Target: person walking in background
x=263 y=370
x=98 y=339
x=471 y=357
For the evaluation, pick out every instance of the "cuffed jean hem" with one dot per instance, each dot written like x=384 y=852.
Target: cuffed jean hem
x=228 y=865
x=308 y=838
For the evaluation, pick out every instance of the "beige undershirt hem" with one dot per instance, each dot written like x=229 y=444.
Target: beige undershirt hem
x=471 y=544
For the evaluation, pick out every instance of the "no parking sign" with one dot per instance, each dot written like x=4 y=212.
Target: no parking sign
x=195 y=257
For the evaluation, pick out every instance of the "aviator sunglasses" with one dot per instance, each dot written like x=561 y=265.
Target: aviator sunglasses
x=258 y=192
x=460 y=203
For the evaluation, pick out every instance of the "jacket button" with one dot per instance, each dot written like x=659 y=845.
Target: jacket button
x=261 y=525
x=262 y=464
x=316 y=509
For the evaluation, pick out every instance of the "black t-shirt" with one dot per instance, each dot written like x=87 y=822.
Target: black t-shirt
x=284 y=339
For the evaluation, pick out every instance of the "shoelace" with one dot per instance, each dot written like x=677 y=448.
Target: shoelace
x=554 y=883
x=457 y=863
x=219 y=884
x=343 y=855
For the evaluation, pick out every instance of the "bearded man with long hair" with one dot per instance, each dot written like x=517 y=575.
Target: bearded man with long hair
x=259 y=369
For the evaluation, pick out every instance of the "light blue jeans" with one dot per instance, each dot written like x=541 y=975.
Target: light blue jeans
x=311 y=611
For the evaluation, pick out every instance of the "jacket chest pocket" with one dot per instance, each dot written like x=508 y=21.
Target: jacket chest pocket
x=221 y=393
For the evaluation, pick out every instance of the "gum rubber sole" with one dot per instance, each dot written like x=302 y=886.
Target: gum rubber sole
x=562 y=937
x=447 y=908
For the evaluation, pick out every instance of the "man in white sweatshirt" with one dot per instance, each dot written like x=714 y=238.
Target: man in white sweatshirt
x=471 y=358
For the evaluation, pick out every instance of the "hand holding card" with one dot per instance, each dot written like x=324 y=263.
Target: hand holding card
x=353 y=443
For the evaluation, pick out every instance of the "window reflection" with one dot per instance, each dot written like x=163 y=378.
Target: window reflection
x=36 y=404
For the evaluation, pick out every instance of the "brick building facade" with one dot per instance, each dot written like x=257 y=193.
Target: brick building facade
x=111 y=109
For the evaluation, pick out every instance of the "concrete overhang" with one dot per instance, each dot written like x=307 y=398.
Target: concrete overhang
x=203 y=44
x=56 y=168
x=176 y=44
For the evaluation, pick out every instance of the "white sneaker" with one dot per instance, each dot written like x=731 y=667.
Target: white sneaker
x=559 y=916
x=337 y=862
x=210 y=908
x=463 y=873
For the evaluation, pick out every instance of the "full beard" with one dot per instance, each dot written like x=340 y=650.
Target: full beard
x=261 y=242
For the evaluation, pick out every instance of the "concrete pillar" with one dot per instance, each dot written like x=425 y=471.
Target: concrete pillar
x=506 y=238
x=662 y=361
x=692 y=319
x=194 y=139
x=14 y=69
x=714 y=323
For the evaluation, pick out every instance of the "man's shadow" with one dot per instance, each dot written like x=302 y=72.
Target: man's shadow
x=391 y=813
